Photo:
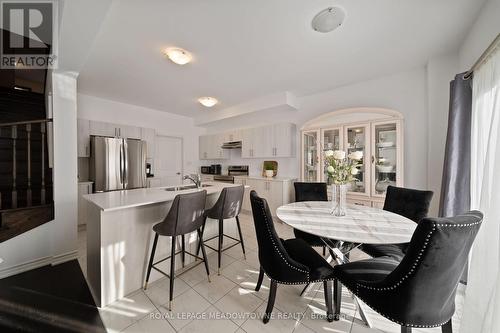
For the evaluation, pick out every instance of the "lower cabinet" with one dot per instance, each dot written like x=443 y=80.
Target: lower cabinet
x=83 y=188
x=277 y=192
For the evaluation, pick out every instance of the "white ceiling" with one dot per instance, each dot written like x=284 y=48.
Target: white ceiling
x=244 y=50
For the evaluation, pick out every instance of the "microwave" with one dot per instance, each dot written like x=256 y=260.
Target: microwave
x=214 y=169
x=205 y=170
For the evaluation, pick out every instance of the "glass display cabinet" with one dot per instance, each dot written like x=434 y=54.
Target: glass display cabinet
x=378 y=136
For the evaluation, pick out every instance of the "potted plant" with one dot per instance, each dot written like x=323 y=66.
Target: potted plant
x=341 y=170
x=269 y=170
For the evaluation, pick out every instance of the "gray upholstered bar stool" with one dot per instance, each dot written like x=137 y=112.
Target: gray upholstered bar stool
x=185 y=216
x=228 y=206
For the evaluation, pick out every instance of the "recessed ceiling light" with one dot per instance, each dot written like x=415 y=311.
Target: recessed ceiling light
x=328 y=19
x=178 y=55
x=208 y=101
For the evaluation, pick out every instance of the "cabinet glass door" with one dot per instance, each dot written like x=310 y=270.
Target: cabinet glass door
x=331 y=141
x=310 y=157
x=385 y=156
x=357 y=139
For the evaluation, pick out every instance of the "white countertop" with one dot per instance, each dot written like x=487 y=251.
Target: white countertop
x=108 y=201
x=277 y=179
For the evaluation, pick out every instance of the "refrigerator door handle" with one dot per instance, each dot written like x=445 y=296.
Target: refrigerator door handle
x=121 y=166
x=125 y=164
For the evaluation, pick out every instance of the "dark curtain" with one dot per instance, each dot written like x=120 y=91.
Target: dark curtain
x=455 y=187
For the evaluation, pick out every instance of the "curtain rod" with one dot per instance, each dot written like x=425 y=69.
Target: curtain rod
x=494 y=44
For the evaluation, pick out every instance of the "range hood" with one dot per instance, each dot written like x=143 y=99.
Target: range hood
x=231 y=145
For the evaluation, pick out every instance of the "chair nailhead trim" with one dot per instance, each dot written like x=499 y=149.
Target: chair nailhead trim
x=277 y=249
x=414 y=266
x=394 y=320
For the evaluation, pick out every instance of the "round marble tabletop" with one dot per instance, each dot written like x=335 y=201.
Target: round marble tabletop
x=361 y=224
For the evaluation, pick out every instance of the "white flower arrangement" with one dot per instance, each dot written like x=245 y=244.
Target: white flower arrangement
x=342 y=169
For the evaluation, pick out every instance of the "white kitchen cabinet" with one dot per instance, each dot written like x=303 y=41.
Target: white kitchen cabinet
x=83 y=188
x=232 y=136
x=284 y=138
x=129 y=132
x=102 y=129
x=149 y=135
x=257 y=142
x=83 y=137
x=277 y=192
x=210 y=147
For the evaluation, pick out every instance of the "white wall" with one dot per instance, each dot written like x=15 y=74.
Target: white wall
x=405 y=92
x=54 y=241
x=99 y=109
x=481 y=34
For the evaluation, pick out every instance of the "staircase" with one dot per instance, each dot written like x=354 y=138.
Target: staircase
x=26 y=191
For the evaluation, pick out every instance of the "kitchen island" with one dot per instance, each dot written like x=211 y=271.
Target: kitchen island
x=120 y=237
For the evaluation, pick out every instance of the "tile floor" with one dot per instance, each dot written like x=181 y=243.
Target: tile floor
x=230 y=304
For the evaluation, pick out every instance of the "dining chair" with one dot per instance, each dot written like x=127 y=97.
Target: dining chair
x=185 y=216
x=227 y=206
x=410 y=203
x=420 y=290
x=305 y=191
x=291 y=261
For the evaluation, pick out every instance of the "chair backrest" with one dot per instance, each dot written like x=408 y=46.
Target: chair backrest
x=424 y=283
x=310 y=191
x=185 y=214
x=410 y=203
x=228 y=205
x=273 y=257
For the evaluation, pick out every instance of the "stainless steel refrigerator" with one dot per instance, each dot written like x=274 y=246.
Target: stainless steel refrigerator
x=117 y=164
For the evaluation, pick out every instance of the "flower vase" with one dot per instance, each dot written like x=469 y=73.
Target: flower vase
x=339 y=194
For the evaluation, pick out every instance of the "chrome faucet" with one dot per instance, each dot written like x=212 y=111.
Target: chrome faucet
x=195 y=178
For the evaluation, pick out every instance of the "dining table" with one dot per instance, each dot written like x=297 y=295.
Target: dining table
x=341 y=234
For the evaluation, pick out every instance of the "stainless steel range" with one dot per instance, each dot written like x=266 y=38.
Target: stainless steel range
x=232 y=171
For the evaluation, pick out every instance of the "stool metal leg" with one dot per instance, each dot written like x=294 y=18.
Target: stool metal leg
x=204 y=255
x=221 y=237
x=241 y=237
x=172 y=274
x=183 y=246
x=201 y=237
x=151 y=259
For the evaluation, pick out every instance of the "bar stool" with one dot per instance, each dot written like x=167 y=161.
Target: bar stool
x=228 y=206
x=185 y=216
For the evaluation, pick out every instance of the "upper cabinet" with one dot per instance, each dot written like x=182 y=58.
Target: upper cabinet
x=149 y=135
x=378 y=133
x=83 y=127
x=210 y=147
x=121 y=131
x=129 y=132
x=269 y=141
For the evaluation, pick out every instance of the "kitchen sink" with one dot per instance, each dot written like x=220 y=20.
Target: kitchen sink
x=185 y=187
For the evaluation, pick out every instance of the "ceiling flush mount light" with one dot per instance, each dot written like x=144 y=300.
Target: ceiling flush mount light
x=208 y=101
x=178 y=56
x=328 y=19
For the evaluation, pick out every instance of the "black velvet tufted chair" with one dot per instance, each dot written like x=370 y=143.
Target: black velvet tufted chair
x=419 y=291
x=410 y=203
x=228 y=206
x=290 y=261
x=310 y=192
x=185 y=216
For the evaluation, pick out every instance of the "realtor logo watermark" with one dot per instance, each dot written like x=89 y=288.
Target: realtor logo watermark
x=29 y=34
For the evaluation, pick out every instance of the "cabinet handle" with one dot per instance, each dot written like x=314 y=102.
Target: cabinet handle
x=373 y=159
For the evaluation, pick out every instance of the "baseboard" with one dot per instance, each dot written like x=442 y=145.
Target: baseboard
x=62 y=258
x=27 y=266
x=37 y=263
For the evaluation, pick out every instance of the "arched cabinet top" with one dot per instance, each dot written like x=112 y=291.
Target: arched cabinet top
x=351 y=115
